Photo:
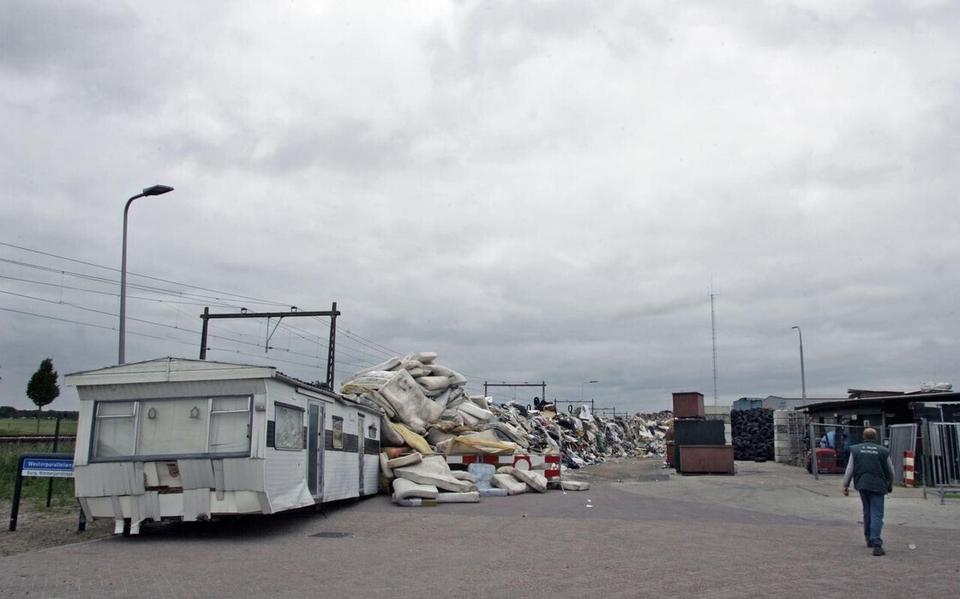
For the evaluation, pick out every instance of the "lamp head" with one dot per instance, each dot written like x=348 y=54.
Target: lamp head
x=156 y=190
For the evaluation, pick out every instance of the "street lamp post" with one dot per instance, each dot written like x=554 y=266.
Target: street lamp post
x=803 y=377
x=581 y=387
x=155 y=190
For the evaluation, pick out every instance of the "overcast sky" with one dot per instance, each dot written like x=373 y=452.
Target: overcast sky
x=538 y=191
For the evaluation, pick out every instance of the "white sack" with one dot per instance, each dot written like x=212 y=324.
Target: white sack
x=575 y=485
x=471 y=497
x=405 y=460
x=442 y=399
x=408 y=364
x=510 y=484
x=413 y=502
x=434 y=383
x=388 y=436
x=493 y=492
x=457 y=397
x=390 y=364
x=468 y=407
x=384 y=469
x=368 y=381
x=436 y=435
x=438 y=370
x=405 y=489
x=424 y=357
x=411 y=405
x=468 y=420
x=433 y=470
x=511 y=433
x=464 y=475
x=480 y=400
x=533 y=479
x=457 y=380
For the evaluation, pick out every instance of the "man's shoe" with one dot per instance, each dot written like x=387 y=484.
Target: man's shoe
x=878 y=550
x=869 y=543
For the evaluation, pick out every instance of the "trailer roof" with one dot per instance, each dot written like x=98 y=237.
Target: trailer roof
x=170 y=369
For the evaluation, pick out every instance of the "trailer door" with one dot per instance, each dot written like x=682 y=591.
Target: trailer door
x=315 y=450
x=361 y=442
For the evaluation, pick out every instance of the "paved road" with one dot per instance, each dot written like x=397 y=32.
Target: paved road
x=629 y=536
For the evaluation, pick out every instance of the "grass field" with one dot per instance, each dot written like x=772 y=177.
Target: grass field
x=34 y=489
x=11 y=427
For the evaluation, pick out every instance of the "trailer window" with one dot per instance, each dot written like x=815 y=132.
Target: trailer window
x=173 y=426
x=337 y=432
x=230 y=425
x=289 y=427
x=114 y=434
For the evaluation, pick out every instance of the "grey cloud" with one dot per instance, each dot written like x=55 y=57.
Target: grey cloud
x=540 y=192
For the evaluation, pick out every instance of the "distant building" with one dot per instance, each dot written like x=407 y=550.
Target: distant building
x=748 y=403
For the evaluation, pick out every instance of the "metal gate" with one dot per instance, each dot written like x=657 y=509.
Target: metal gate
x=903 y=438
x=942 y=458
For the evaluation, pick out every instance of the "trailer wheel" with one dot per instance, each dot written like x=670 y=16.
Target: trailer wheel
x=126 y=527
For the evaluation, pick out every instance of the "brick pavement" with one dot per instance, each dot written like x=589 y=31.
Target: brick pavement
x=627 y=545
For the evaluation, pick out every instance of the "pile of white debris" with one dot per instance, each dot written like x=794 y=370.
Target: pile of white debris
x=428 y=416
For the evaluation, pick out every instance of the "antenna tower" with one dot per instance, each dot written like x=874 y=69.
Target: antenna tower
x=713 y=331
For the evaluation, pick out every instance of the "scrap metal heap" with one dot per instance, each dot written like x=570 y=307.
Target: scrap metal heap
x=427 y=415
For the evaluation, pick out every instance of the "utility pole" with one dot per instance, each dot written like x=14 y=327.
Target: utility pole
x=803 y=375
x=713 y=330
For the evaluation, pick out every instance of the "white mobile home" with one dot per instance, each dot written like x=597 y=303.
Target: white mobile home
x=192 y=439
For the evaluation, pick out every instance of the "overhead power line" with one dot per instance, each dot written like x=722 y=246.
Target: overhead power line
x=357 y=349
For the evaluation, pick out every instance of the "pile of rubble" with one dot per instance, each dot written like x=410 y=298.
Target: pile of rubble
x=429 y=415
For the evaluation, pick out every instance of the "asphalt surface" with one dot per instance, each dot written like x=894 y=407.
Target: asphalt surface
x=634 y=534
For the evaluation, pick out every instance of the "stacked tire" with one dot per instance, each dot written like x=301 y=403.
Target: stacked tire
x=752 y=434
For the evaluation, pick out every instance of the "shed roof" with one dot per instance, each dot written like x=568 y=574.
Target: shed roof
x=898 y=400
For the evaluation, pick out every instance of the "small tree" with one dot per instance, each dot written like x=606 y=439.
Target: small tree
x=43 y=388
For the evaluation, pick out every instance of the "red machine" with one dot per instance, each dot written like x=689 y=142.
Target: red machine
x=832 y=452
x=829 y=461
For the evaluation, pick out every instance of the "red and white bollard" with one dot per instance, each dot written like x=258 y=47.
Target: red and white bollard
x=908 y=468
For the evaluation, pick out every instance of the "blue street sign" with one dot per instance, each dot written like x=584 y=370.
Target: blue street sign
x=47 y=467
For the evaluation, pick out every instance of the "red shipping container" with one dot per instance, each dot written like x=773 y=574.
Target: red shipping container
x=688 y=405
x=706 y=459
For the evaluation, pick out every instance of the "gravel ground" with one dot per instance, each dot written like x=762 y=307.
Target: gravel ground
x=39 y=528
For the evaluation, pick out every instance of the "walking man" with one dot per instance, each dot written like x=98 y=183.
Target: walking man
x=872 y=473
